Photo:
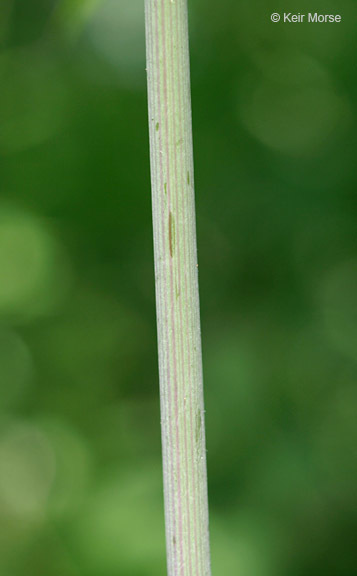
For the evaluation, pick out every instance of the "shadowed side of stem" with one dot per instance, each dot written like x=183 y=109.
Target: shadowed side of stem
x=176 y=279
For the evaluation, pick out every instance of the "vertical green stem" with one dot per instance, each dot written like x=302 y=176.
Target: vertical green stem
x=176 y=278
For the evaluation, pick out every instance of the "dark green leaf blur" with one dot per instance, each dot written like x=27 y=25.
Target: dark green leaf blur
x=274 y=116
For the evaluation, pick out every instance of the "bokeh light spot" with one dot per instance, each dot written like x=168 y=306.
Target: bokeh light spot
x=73 y=467
x=294 y=110
x=33 y=99
x=339 y=307
x=34 y=273
x=27 y=470
x=122 y=506
x=116 y=31
x=16 y=368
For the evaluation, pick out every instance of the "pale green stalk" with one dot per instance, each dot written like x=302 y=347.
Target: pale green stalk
x=176 y=277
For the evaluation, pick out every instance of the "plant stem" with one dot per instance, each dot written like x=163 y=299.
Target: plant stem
x=176 y=280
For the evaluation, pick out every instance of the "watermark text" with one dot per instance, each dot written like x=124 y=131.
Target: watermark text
x=311 y=17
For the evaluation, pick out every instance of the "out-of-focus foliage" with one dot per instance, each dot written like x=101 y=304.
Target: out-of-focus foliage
x=275 y=148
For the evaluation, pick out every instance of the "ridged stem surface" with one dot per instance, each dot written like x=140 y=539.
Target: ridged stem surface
x=176 y=280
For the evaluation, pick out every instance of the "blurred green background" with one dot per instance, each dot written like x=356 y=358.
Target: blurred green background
x=274 y=109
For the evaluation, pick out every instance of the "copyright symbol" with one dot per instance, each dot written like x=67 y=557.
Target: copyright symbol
x=275 y=17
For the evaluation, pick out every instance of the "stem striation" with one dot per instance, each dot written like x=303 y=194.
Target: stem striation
x=176 y=281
